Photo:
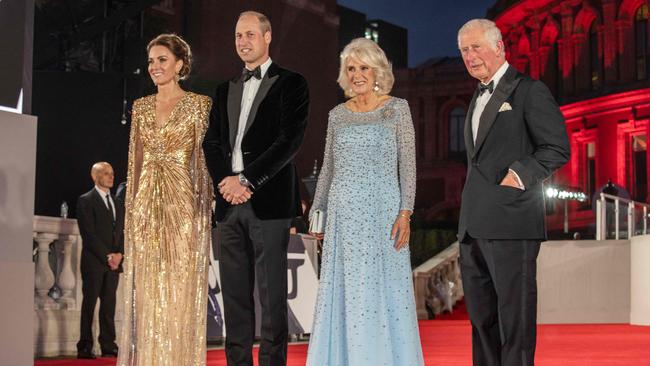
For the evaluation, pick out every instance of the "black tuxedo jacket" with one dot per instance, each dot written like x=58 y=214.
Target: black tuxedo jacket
x=530 y=138
x=274 y=131
x=100 y=235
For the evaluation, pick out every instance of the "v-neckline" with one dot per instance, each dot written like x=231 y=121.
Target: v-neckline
x=171 y=114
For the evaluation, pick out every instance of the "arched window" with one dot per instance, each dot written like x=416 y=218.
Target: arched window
x=456 y=125
x=641 y=41
x=549 y=70
x=589 y=172
x=594 y=57
x=523 y=54
x=559 y=79
x=639 y=168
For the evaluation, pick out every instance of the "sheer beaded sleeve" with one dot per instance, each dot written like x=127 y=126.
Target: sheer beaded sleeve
x=326 y=172
x=406 y=155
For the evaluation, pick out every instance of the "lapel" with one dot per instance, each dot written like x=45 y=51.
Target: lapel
x=270 y=77
x=506 y=86
x=469 y=139
x=235 y=91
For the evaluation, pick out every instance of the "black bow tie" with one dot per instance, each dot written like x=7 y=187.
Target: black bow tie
x=246 y=74
x=483 y=87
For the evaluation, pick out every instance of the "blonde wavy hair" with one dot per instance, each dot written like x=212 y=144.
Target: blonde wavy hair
x=367 y=52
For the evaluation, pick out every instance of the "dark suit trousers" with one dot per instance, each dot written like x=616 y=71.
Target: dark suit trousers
x=102 y=285
x=254 y=249
x=500 y=285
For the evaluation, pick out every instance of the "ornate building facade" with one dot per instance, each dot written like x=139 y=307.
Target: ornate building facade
x=594 y=56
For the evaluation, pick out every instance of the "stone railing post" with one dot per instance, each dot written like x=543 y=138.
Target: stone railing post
x=420 y=283
x=67 y=280
x=65 y=234
x=43 y=276
x=56 y=313
x=458 y=290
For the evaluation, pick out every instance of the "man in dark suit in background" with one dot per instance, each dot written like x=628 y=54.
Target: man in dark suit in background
x=101 y=224
x=257 y=124
x=515 y=138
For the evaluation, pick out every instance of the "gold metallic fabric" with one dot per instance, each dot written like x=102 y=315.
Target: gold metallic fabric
x=167 y=236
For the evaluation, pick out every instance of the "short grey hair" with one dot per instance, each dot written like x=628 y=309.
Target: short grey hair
x=490 y=31
x=369 y=53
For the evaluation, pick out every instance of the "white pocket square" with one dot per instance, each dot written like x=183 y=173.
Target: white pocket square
x=505 y=107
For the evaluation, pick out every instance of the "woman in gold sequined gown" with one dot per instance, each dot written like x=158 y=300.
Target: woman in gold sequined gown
x=167 y=228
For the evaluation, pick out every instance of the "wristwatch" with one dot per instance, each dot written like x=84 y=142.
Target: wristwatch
x=243 y=181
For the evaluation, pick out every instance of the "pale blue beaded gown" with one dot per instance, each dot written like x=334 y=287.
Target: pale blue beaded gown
x=365 y=310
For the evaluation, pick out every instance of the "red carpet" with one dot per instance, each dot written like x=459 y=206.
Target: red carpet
x=459 y=313
x=447 y=342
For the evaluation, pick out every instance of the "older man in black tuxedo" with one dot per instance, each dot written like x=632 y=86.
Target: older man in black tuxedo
x=257 y=124
x=515 y=138
x=101 y=224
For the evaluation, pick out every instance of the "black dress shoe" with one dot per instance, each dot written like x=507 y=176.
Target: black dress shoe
x=85 y=354
x=109 y=353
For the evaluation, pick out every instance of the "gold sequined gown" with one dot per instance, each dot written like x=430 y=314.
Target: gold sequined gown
x=167 y=236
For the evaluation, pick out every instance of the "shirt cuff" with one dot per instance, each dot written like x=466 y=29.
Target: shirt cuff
x=519 y=182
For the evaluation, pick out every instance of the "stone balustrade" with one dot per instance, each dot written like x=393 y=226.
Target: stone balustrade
x=58 y=249
x=58 y=295
x=437 y=283
x=57 y=286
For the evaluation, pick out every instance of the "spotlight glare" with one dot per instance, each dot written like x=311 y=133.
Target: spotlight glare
x=549 y=192
x=564 y=194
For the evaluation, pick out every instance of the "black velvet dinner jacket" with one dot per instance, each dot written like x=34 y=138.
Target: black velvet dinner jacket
x=274 y=131
x=522 y=129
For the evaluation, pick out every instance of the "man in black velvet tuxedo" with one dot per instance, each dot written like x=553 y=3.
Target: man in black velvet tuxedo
x=257 y=124
x=515 y=138
x=101 y=224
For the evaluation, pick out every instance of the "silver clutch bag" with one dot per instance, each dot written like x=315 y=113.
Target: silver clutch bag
x=317 y=222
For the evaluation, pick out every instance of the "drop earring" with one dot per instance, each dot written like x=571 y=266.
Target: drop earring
x=376 y=88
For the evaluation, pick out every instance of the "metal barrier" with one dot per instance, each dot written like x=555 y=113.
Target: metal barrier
x=630 y=221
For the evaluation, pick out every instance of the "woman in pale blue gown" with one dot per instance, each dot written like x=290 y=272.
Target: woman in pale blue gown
x=365 y=311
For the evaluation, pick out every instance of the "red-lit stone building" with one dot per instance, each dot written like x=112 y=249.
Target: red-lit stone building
x=593 y=55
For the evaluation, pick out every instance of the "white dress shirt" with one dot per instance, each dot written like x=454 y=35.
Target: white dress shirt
x=250 y=91
x=483 y=99
x=103 y=194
